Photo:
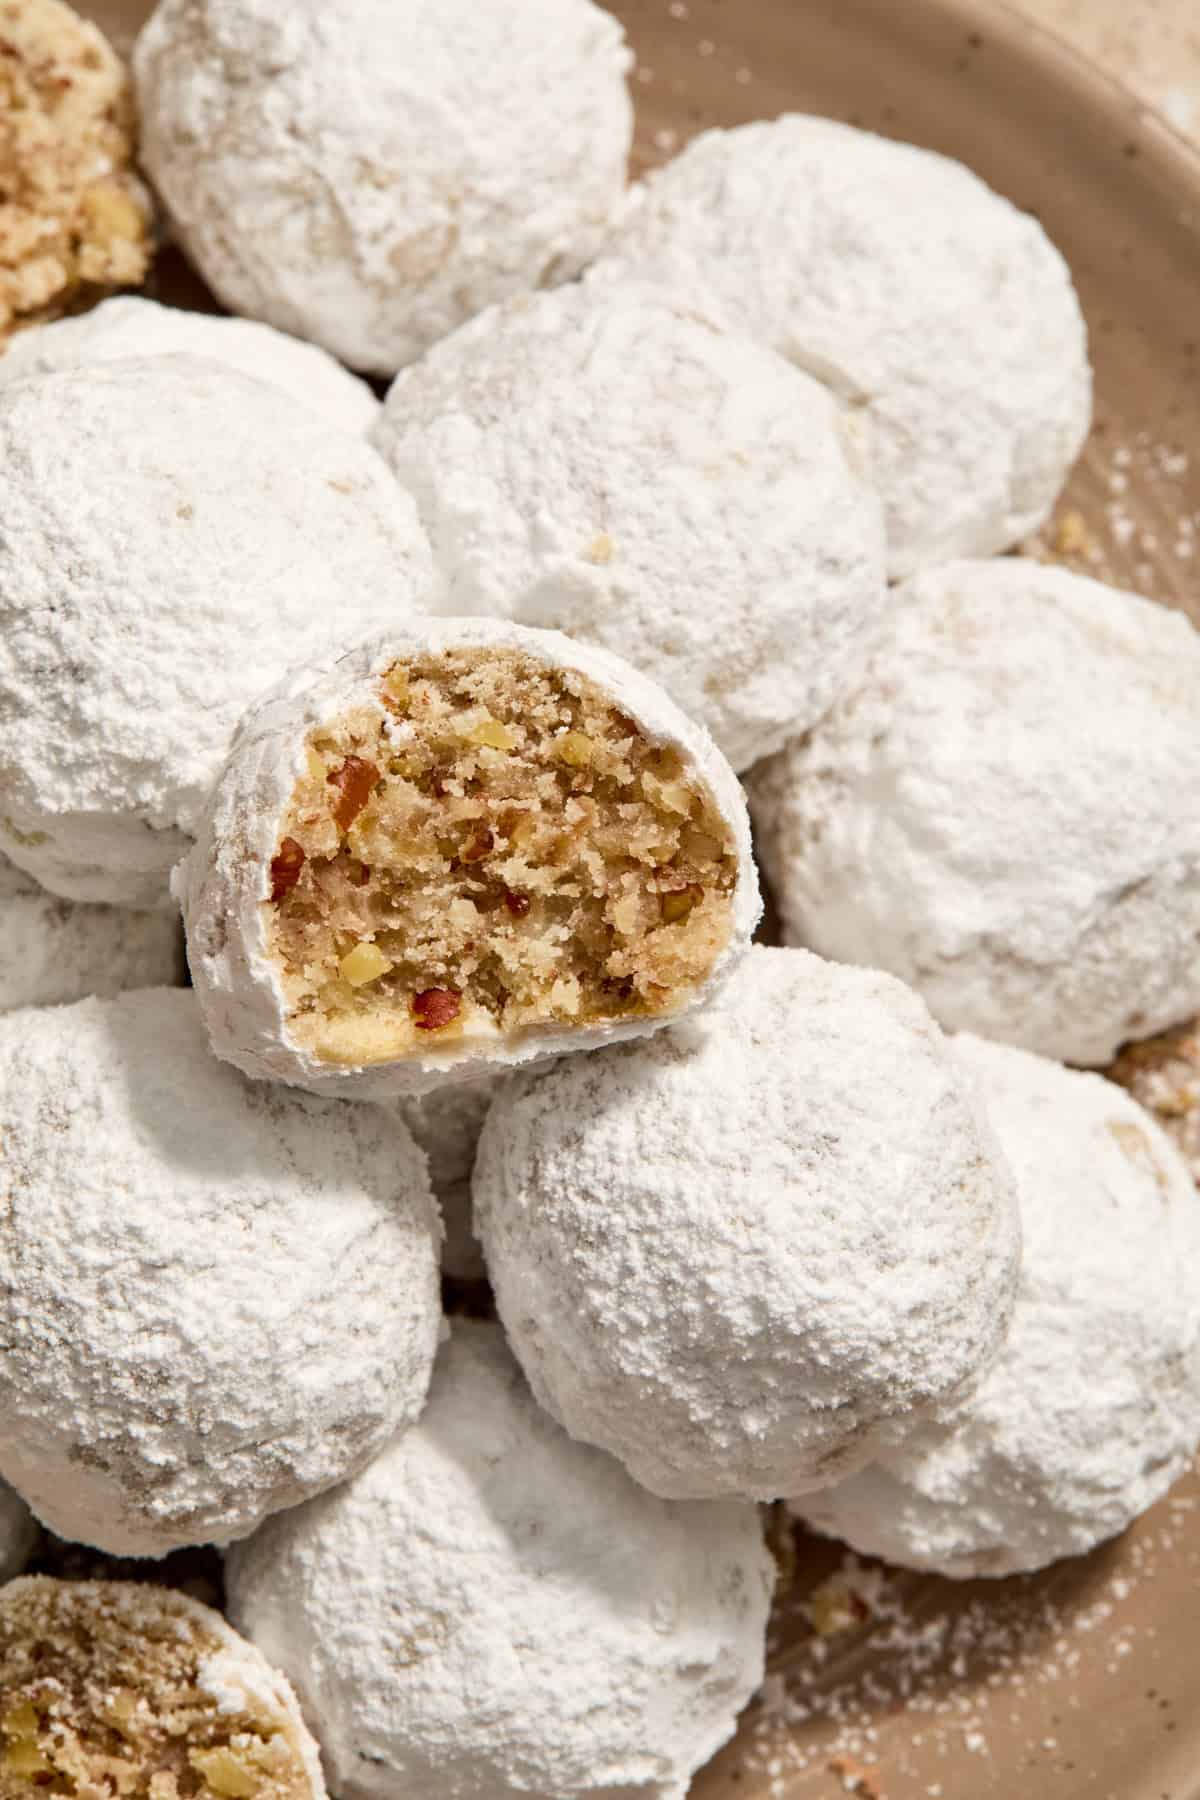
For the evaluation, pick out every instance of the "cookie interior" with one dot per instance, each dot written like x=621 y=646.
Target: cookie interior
x=490 y=847
x=100 y=1693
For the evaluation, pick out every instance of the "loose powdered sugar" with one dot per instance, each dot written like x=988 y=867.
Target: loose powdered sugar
x=52 y=950
x=175 y=1362
x=744 y=1253
x=609 y=464
x=131 y=326
x=921 y=296
x=369 y=176
x=1092 y=1409
x=560 y=1632
x=1004 y=815
x=147 y=597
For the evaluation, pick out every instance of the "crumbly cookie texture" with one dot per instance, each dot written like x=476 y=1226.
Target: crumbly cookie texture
x=609 y=464
x=370 y=179
x=175 y=1361
x=130 y=326
x=1004 y=815
x=446 y=1124
x=147 y=597
x=463 y=844
x=1163 y=1074
x=74 y=219
x=928 y=302
x=492 y=1609
x=18 y=1533
x=1092 y=1409
x=110 y=1687
x=53 y=950
x=743 y=1254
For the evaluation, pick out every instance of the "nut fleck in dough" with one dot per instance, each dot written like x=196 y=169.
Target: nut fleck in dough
x=370 y=175
x=446 y=1124
x=492 y=1609
x=74 y=220
x=18 y=1534
x=926 y=300
x=1092 y=1409
x=1005 y=814
x=215 y=1299
x=176 y=535
x=130 y=326
x=52 y=950
x=1163 y=1074
x=608 y=464
x=743 y=1254
x=110 y=1687
x=460 y=845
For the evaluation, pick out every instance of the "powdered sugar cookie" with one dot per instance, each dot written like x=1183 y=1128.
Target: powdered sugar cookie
x=175 y=536
x=935 y=308
x=113 y=1686
x=743 y=1254
x=371 y=177
x=561 y=1633
x=175 y=1360
x=130 y=326
x=52 y=950
x=1004 y=815
x=1092 y=1408
x=459 y=846
x=609 y=464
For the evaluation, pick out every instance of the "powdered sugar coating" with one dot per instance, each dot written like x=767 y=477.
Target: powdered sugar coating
x=18 y=1533
x=52 y=950
x=370 y=177
x=132 y=326
x=147 y=596
x=1004 y=816
x=744 y=1253
x=224 y=881
x=446 y=1124
x=1092 y=1409
x=609 y=464
x=561 y=1632
x=897 y=276
x=175 y=1360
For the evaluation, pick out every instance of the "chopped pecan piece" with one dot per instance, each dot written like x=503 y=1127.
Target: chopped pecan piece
x=354 y=781
x=286 y=865
x=435 y=1007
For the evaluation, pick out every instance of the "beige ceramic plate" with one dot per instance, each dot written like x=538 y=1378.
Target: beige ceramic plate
x=1085 y=1681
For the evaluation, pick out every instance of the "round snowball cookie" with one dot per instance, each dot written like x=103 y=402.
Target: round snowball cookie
x=1004 y=815
x=371 y=178
x=1093 y=1407
x=113 y=1682
x=459 y=846
x=18 y=1533
x=215 y=1299
x=560 y=1632
x=940 y=312
x=130 y=326
x=609 y=464
x=176 y=535
x=742 y=1255
x=446 y=1124
x=52 y=950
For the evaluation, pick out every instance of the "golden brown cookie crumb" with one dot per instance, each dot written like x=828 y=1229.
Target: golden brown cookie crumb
x=111 y=1689
x=74 y=220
